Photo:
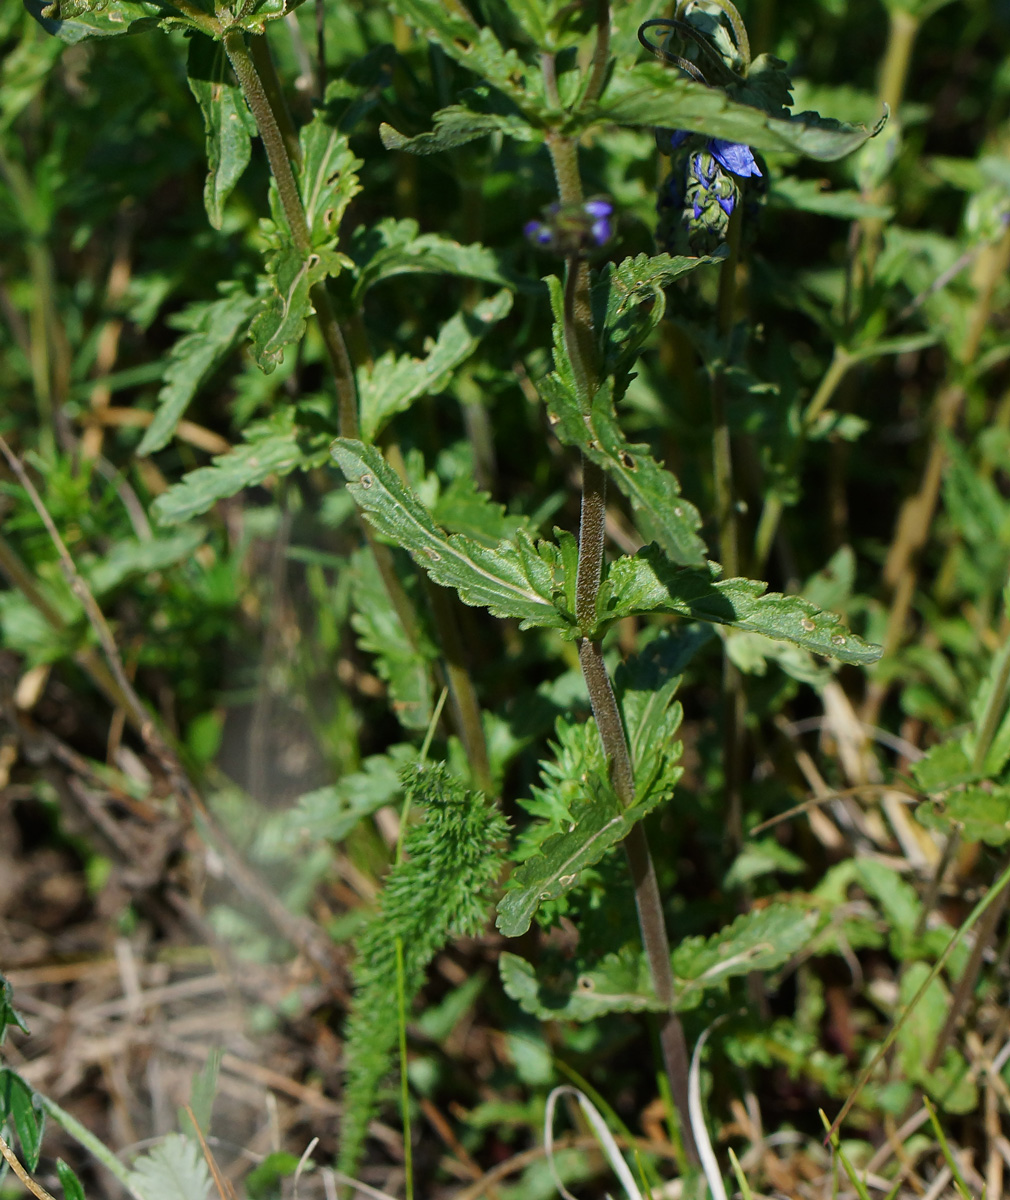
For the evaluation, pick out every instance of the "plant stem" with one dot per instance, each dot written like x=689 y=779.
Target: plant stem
x=88 y=1140
x=259 y=49
x=580 y=343
x=287 y=189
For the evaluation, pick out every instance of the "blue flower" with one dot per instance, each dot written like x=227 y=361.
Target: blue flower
x=574 y=228
x=734 y=156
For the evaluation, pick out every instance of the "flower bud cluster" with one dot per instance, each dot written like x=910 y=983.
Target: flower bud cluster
x=704 y=186
x=573 y=228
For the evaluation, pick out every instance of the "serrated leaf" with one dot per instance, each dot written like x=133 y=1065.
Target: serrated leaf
x=619 y=983
x=649 y=94
x=980 y=814
x=391 y=247
x=73 y=1189
x=173 y=1170
x=944 y=766
x=629 y=301
x=473 y=47
x=392 y=384
x=405 y=667
x=272 y=448
x=327 y=182
x=648 y=583
x=759 y=858
x=131 y=556
x=214 y=329
x=646 y=686
x=18 y=1109
x=228 y=123
x=332 y=812
x=599 y=823
x=457 y=125
x=74 y=20
x=461 y=507
x=809 y=195
x=650 y=488
x=513 y=580
x=760 y=940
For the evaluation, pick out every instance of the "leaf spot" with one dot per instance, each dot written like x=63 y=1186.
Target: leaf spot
x=366 y=481
x=432 y=554
x=808 y=625
x=565 y=880
x=838 y=640
x=627 y=461
x=585 y=984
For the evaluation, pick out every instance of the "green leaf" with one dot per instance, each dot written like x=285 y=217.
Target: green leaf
x=459 y=124
x=808 y=195
x=214 y=327
x=18 y=1109
x=74 y=20
x=981 y=814
x=763 y=857
x=760 y=940
x=757 y=941
x=944 y=766
x=131 y=557
x=652 y=490
x=392 y=384
x=272 y=449
x=390 y=248
x=649 y=94
x=629 y=301
x=173 y=1170
x=262 y=1181
x=516 y=579
x=73 y=1189
x=227 y=120
x=474 y=47
x=951 y=1086
x=9 y=1015
x=646 y=685
x=599 y=823
x=618 y=983
x=331 y=812
x=405 y=667
x=649 y=583
x=327 y=183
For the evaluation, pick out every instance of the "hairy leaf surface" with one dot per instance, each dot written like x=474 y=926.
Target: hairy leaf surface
x=513 y=580
x=174 y=1170
x=214 y=328
x=228 y=123
x=648 y=582
x=392 y=384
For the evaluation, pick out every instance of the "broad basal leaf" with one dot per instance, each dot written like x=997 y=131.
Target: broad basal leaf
x=404 y=665
x=226 y=118
x=214 y=329
x=979 y=814
x=392 y=384
x=599 y=823
x=652 y=490
x=273 y=447
x=74 y=20
x=619 y=983
x=517 y=579
x=174 y=1170
x=134 y=556
x=648 y=583
x=392 y=247
x=649 y=94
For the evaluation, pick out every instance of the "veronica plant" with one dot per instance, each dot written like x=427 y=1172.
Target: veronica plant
x=547 y=82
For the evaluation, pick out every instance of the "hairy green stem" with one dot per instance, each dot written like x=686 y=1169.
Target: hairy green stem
x=276 y=149
x=580 y=343
x=259 y=50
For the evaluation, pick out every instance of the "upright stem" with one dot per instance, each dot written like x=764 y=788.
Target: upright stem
x=580 y=343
